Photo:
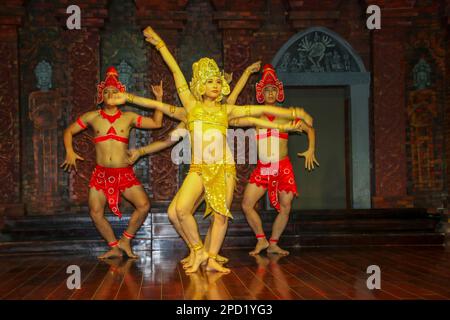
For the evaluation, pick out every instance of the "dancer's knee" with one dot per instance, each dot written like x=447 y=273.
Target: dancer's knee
x=172 y=214
x=247 y=205
x=285 y=207
x=96 y=212
x=182 y=213
x=143 y=206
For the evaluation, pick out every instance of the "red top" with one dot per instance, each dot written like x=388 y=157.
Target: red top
x=111 y=134
x=270 y=133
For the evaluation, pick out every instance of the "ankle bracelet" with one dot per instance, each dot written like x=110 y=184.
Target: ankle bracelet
x=128 y=235
x=197 y=247
x=113 y=244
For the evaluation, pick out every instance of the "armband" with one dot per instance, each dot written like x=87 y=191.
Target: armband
x=81 y=124
x=182 y=88
x=139 y=122
x=160 y=45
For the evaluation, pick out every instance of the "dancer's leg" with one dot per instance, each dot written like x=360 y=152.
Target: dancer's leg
x=252 y=194
x=280 y=223
x=139 y=199
x=97 y=201
x=219 y=229
x=189 y=193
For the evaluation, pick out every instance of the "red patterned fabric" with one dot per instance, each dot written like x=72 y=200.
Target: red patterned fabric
x=113 y=181
x=111 y=80
x=276 y=177
x=269 y=78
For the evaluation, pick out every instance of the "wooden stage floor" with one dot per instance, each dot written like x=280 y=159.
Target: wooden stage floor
x=308 y=273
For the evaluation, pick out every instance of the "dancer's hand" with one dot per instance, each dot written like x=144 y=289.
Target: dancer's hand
x=254 y=67
x=71 y=161
x=293 y=125
x=158 y=91
x=310 y=159
x=151 y=36
x=133 y=155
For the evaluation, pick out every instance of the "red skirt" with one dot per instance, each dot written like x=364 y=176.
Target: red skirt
x=113 y=181
x=276 y=177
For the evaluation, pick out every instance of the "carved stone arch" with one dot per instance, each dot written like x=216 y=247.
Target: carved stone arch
x=323 y=58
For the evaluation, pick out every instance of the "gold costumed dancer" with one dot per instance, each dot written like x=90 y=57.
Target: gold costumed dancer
x=212 y=171
x=173 y=138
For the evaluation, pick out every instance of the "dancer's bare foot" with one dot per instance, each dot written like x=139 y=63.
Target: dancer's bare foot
x=199 y=257
x=274 y=248
x=261 y=245
x=190 y=262
x=221 y=259
x=213 y=265
x=125 y=246
x=113 y=253
x=188 y=258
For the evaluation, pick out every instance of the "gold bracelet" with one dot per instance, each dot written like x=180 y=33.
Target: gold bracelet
x=292 y=112
x=183 y=88
x=247 y=72
x=172 y=109
x=159 y=45
x=130 y=97
x=197 y=246
x=141 y=151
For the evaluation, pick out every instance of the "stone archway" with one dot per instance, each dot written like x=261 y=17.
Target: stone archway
x=320 y=57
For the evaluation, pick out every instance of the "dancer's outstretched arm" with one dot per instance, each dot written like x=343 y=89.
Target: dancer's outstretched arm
x=154 y=122
x=147 y=103
x=186 y=97
x=292 y=113
x=172 y=138
x=262 y=123
x=242 y=82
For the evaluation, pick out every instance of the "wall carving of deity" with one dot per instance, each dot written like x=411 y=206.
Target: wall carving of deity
x=425 y=109
x=318 y=52
x=43 y=112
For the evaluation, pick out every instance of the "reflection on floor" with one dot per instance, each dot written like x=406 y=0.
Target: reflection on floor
x=310 y=273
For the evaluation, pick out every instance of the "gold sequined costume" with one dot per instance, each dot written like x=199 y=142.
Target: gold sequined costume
x=214 y=174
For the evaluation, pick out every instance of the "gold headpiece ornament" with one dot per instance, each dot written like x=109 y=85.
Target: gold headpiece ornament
x=205 y=69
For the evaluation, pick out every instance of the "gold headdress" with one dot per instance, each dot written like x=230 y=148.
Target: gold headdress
x=202 y=70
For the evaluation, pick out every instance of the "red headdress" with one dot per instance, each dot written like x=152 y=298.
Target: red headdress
x=269 y=78
x=111 y=80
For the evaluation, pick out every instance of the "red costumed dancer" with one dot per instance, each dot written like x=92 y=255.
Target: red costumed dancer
x=274 y=172
x=112 y=175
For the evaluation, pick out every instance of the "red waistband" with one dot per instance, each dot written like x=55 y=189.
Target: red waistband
x=269 y=133
x=113 y=170
x=110 y=136
x=269 y=164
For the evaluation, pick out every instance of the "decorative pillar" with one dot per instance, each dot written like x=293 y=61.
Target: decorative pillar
x=389 y=110
x=10 y=154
